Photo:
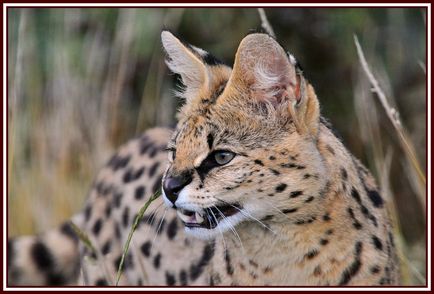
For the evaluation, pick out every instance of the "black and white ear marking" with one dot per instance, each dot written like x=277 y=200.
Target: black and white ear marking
x=294 y=62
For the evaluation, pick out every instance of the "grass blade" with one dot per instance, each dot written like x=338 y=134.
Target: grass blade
x=83 y=237
x=133 y=229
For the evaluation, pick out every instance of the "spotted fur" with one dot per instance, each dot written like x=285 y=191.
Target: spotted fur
x=309 y=212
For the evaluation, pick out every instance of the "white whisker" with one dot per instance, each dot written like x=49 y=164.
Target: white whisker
x=159 y=227
x=245 y=213
x=232 y=228
x=221 y=233
x=274 y=207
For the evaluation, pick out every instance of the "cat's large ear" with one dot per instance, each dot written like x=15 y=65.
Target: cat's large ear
x=265 y=72
x=185 y=60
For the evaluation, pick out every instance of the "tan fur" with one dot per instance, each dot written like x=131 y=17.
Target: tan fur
x=311 y=213
x=285 y=126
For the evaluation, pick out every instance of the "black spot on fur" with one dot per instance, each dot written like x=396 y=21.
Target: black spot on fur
x=67 y=230
x=368 y=215
x=157 y=261
x=311 y=254
x=108 y=210
x=210 y=140
x=253 y=263
x=215 y=279
x=272 y=157
x=139 y=173
x=106 y=247
x=375 y=198
x=101 y=282
x=291 y=210
x=149 y=219
x=153 y=152
x=288 y=165
x=354 y=268
x=281 y=187
x=153 y=169
x=102 y=189
x=128 y=176
x=197 y=268
x=41 y=256
x=377 y=243
x=375 y=269
x=356 y=195
x=170 y=279
x=344 y=173
x=126 y=216
x=323 y=242
x=96 y=229
x=117 y=162
x=311 y=219
x=295 y=194
x=117 y=262
x=310 y=199
x=275 y=172
x=326 y=217
x=356 y=223
x=259 y=162
x=145 y=147
x=160 y=226
x=330 y=149
x=329 y=232
x=229 y=268
x=117 y=200
x=268 y=217
x=172 y=229
x=139 y=193
x=183 y=279
x=87 y=212
x=146 y=248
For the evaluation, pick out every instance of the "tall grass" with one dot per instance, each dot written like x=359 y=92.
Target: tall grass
x=381 y=155
x=83 y=81
x=69 y=106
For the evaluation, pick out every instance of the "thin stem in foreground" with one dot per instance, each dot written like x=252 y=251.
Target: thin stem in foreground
x=393 y=116
x=133 y=229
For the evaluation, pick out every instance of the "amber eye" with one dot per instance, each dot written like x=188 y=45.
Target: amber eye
x=223 y=157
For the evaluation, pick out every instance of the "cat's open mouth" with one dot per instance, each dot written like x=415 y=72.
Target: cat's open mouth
x=208 y=218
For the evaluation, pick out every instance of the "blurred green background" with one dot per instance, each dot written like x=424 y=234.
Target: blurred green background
x=83 y=81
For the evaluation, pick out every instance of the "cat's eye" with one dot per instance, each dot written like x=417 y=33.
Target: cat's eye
x=223 y=157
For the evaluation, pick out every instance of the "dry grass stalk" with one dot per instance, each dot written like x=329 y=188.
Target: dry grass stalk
x=265 y=23
x=132 y=230
x=371 y=135
x=393 y=116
